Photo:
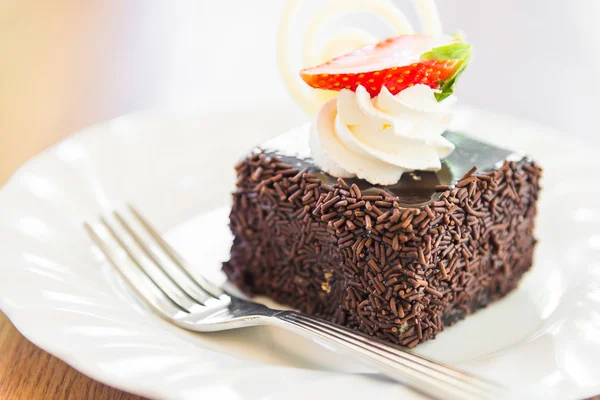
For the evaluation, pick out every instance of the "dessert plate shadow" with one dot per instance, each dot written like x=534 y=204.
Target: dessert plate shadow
x=178 y=169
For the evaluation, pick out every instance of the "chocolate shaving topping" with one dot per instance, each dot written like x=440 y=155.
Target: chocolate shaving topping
x=398 y=273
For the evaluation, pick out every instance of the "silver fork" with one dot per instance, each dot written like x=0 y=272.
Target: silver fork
x=162 y=279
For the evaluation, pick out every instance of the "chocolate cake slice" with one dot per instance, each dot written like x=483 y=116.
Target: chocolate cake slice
x=398 y=262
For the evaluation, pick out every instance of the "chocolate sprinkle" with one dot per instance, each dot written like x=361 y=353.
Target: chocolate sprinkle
x=400 y=274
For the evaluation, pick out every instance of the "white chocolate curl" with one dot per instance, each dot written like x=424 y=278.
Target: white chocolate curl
x=343 y=42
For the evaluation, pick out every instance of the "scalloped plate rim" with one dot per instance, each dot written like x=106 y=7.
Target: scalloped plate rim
x=19 y=317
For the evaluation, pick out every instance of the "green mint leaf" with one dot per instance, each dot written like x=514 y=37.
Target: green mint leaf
x=441 y=95
x=447 y=87
x=458 y=51
x=452 y=51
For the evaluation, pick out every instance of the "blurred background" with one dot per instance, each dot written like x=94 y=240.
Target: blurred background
x=66 y=64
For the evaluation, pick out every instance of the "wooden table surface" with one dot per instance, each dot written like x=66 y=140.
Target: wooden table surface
x=27 y=372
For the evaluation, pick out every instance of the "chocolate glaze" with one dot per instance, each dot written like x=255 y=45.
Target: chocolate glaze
x=415 y=189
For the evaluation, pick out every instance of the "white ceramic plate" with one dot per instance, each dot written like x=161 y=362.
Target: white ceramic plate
x=178 y=169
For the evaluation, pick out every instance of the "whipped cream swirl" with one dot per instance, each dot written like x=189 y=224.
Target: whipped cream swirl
x=381 y=138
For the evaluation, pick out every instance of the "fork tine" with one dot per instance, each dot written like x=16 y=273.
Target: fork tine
x=174 y=256
x=143 y=286
x=158 y=277
x=182 y=280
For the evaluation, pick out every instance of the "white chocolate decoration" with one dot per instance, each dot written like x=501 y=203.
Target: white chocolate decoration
x=342 y=42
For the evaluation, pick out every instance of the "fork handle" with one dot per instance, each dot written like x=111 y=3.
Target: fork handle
x=426 y=376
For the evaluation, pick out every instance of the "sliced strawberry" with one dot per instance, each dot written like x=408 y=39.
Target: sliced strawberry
x=395 y=63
